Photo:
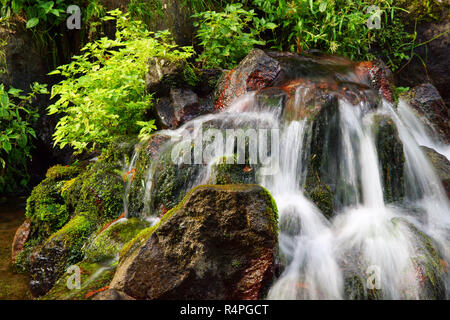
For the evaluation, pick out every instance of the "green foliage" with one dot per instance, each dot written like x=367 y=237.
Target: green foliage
x=146 y=11
x=3 y=43
x=146 y=130
x=228 y=36
x=337 y=27
x=45 y=206
x=16 y=119
x=332 y=26
x=104 y=93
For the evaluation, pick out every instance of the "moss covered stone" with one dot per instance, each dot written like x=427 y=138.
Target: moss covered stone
x=323 y=172
x=323 y=197
x=391 y=158
x=93 y=278
x=46 y=207
x=171 y=181
x=218 y=234
x=108 y=243
x=232 y=173
x=138 y=178
x=61 y=250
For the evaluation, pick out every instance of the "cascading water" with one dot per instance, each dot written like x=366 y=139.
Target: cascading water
x=369 y=248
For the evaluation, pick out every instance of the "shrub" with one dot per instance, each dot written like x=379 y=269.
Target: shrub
x=104 y=94
x=16 y=133
x=228 y=36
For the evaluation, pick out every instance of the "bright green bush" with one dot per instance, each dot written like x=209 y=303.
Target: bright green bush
x=228 y=36
x=338 y=27
x=16 y=133
x=332 y=26
x=104 y=94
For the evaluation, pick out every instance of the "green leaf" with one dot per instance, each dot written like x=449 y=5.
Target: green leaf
x=6 y=146
x=32 y=23
x=54 y=72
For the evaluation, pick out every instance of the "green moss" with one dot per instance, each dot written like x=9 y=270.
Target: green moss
x=72 y=237
x=271 y=210
x=171 y=182
x=60 y=172
x=391 y=158
x=94 y=276
x=137 y=241
x=355 y=289
x=323 y=197
x=46 y=207
x=233 y=173
x=108 y=243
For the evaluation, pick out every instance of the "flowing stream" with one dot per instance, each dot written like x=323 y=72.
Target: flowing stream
x=368 y=249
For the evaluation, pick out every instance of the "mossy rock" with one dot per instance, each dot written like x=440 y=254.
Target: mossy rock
x=323 y=172
x=99 y=190
x=46 y=207
x=148 y=154
x=171 y=181
x=355 y=288
x=224 y=232
x=430 y=267
x=232 y=173
x=108 y=243
x=323 y=198
x=391 y=158
x=93 y=278
x=61 y=250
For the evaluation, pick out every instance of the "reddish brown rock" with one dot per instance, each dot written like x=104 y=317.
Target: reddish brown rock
x=21 y=236
x=380 y=78
x=256 y=71
x=219 y=243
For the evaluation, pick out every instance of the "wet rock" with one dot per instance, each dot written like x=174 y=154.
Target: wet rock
x=50 y=260
x=181 y=105
x=107 y=243
x=218 y=243
x=170 y=183
x=233 y=173
x=256 y=71
x=391 y=158
x=322 y=169
x=441 y=166
x=139 y=176
x=20 y=238
x=380 y=78
x=94 y=278
x=323 y=198
x=429 y=104
x=163 y=75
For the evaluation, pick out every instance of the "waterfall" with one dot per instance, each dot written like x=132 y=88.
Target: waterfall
x=368 y=248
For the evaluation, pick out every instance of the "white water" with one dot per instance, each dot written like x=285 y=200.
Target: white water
x=366 y=234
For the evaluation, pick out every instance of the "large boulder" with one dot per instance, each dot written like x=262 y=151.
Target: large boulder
x=218 y=243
